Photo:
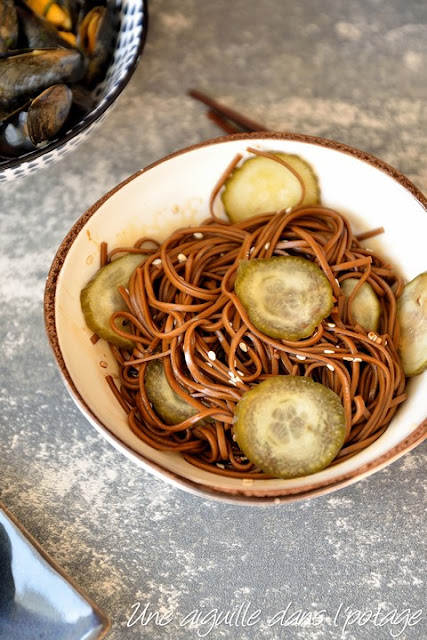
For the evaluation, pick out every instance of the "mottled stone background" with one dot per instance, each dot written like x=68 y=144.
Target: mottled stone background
x=353 y=71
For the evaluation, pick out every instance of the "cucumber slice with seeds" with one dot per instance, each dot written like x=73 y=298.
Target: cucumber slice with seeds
x=365 y=308
x=261 y=185
x=412 y=315
x=285 y=297
x=166 y=402
x=290 y=426
x=100 y=297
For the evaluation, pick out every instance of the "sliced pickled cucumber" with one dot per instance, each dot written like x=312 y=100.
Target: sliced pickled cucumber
x=285 y=297
x=168 y=404
x=262 y=185
x=366 y=307
x=412 y=315
x=100 y=297
x=290 y=426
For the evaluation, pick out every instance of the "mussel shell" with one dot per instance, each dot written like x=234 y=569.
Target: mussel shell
x=8 y=25
x=74 y=8
x=14 y=140
x=27 y=74
x=38 y=33
x=53 y=11
x=48 y=113
x=99 y=51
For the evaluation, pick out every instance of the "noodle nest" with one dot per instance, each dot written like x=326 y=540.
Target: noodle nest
x=183 y=310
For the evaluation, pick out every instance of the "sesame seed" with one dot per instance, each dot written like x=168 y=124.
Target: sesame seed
x=212 y=355
x=240 y=372
x=243 y=346
x=301 y=357
x=267 y=245
x=231 y=374
x=337 y=281
x=328 y=351
x=331 y=324
x=288 y=210
x=277 y=500
x=209 y=364
x=251 y=249
x=157 y=261
x=198 y=235
x=357 y=359
x=348 y=358
x=330 y=367
x=375 y=337
x=220 y=466
x=182 y=257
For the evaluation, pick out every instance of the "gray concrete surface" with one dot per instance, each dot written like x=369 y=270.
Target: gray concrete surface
x=352 y=71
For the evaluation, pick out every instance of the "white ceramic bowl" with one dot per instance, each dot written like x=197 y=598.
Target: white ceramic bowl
x=174 y=192
x=133 y=21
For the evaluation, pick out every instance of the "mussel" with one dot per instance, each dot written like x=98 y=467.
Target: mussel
x=37 y=121
x=8 y=25
x=48 y=113
x=53 y=11
x=96 y=40
x=24 y=74
x=52 y=55
x=14 y=138
x=39 y=33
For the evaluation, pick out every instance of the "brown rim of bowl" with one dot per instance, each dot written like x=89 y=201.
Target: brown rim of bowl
x=103 y=617
x=90 y=118
x=244 y=494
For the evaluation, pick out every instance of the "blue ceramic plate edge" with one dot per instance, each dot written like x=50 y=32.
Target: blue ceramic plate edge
x=103 y=617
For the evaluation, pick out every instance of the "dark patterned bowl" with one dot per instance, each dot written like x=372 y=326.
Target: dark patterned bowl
x=132 y=16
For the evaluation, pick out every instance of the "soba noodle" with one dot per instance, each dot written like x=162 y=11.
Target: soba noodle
x=183 y=310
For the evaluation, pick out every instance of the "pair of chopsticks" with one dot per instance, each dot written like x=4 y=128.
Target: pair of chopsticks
x=227 y=119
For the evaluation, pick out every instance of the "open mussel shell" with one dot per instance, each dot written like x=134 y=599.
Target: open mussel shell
x=56 y=12
x=96 y=38
x=38 y=33
x=8 y=25
x=48 y=113
x=26 y=74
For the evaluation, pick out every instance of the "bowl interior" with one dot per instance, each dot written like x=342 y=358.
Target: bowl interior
x=175 y=193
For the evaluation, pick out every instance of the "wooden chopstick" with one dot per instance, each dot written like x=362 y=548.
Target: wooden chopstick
x=245 y=123
x=222 y=123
